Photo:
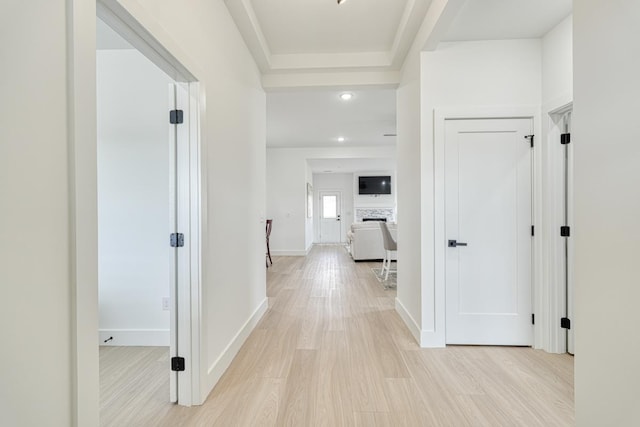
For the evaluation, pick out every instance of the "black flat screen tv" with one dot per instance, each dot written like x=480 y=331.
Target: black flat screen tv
x=374 y=185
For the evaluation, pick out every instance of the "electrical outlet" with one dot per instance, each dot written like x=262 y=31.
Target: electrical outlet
x=165 y=303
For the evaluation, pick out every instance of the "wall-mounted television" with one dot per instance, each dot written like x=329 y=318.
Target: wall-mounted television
x=374 y=185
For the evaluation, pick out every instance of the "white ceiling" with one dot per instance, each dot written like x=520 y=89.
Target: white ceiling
x=317 y=118
x=351 y=165
x=106 y=38
x=507 y=19
x=321 y=26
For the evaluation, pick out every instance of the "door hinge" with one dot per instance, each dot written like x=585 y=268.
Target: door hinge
x=177 y=364
x=565 y=138
x=533 y=230
x=176 y=117
x=176 y=240
x=565 y=323
x=533 y=319
x=565 y=231
x=530 y=138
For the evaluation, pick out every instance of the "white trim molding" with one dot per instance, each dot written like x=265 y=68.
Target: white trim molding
x=134 y=337
x=409 y=321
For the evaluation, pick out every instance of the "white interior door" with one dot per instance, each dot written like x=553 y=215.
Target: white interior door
x=488 y=208
x=330 y=217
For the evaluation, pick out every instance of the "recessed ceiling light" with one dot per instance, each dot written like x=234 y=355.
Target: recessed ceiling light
x=341 y=139
x=341 y=1
x=346 y=96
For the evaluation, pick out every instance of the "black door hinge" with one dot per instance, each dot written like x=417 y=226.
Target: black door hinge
x=533 y=230
x=176 y=117
x=565 y=231
x=565 y=138
x=176 y=240
x=530 y=138
x=177 y=364
x=533 y=319
x=565 y=323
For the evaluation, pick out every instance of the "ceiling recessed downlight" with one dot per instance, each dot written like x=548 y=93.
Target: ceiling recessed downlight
x=341 y=139
x=341 y=1
x=346 y=96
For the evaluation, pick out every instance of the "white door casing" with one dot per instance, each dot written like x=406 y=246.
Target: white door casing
x=330 y=217
x=568 y=221
x=488 y=191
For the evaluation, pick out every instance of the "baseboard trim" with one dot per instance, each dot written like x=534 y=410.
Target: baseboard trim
x=425 y=339
x=221 y=364
x=288 y=253
x=134 y=337
x=431 y=339
x=408 y=320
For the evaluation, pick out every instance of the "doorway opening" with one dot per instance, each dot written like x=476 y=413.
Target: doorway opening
x=149 y=192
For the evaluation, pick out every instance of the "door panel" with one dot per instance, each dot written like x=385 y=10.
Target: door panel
x=488 y=207
x=330 y=221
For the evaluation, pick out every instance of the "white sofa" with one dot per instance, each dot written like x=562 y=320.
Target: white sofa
x=365 y=240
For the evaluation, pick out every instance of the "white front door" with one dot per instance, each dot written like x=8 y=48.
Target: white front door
x=330 y=222
x=488 y=231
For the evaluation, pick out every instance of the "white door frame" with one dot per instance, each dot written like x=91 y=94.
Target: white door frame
x=554 y=245
x=190 y=191
x=437 y=337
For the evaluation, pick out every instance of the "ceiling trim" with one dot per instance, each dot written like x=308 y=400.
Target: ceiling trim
x=298 y=62
x=247 y=22
x=335 y=79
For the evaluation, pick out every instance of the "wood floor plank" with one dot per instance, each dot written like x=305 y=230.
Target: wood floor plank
x=332 y=351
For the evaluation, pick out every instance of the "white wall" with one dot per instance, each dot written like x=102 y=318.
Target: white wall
x=287 y=175
x=607 y=207
x=408 y=299
x=342 y=182
x=48 y=169
x=557 y=64
x=133 y=198
x=35 y=279
x=205 y=39
x=557 y=92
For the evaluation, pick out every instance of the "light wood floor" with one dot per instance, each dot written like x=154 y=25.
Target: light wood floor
x=331 y=351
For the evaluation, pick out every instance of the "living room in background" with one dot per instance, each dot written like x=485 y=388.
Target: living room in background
x=336 y=182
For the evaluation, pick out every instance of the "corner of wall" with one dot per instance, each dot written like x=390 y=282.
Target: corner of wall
x=220 y=365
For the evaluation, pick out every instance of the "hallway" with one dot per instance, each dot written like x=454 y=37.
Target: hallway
x=332 y=351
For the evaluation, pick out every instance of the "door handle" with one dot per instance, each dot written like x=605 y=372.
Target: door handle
x=455 y=243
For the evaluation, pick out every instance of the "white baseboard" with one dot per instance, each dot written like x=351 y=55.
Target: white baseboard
x=431 y=339
x=135 y=337
x=426 y=339
x=288 y=253
x=221 y=364
x=408 y=320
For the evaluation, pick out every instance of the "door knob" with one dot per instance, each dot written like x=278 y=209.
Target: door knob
x=455 y=243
